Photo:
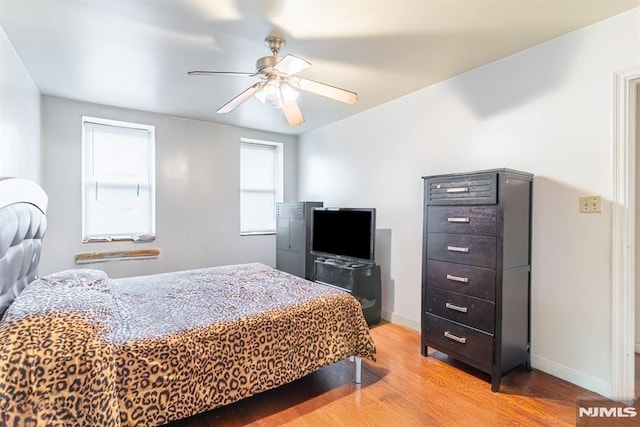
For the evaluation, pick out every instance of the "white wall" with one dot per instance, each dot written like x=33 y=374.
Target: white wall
x=197 y=196
x=546 y=110
x=20 y=153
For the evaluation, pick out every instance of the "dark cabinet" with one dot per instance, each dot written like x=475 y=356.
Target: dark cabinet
x=293 y=238
x=476 y=269
x=363 y=281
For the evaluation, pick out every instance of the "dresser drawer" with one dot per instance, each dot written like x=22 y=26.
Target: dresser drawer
x=464 y=279
x=471 y=311
x=476 y=220
x=473 y=189
x=475 y=347
x=462 y=249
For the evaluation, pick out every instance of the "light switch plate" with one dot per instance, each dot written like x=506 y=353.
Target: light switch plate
x=590 y=204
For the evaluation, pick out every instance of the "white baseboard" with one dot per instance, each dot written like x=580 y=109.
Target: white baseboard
x=571 y=375
x=637 y=347
x=400 y=320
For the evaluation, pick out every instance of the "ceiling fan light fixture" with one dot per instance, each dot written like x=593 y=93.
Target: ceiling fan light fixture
x=276 y=93
x=289 y=94
x=280 y=83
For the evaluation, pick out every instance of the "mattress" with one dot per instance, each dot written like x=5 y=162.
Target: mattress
x=79 y=348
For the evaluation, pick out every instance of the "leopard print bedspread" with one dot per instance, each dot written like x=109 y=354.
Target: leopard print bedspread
x=80 y=349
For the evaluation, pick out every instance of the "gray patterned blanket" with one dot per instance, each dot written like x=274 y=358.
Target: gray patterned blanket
x=78 y=348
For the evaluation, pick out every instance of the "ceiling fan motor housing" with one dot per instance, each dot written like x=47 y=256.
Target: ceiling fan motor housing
x=267 y=63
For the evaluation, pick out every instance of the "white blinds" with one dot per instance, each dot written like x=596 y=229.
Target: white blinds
x=258 y=188
x=118 y=180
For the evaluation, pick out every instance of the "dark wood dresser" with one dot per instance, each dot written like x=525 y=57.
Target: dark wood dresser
x=476 y=269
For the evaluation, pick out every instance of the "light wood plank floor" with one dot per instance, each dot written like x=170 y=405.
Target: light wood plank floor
x=405 y=389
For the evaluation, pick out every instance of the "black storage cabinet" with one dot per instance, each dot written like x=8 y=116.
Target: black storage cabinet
x=476 y=269
x=293 y=238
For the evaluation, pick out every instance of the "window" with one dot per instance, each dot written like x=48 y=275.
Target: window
x=118 y=180
x=261 y=176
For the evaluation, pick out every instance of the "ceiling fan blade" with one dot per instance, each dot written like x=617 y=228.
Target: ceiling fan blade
x=293 y=114
x=332 y=92
x=219 y=73
x=291 y=65
x=231 y=105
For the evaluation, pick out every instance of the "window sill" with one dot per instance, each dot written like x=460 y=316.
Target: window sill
x=257 y=233
x=146 y=239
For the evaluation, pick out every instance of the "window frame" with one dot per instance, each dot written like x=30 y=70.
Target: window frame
x=279 y=181
x=115 y=237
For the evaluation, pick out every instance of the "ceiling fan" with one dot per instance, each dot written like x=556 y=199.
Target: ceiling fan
x=279 y=84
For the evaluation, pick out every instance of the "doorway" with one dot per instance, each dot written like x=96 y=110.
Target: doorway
x=624 y=232
x=635 y=126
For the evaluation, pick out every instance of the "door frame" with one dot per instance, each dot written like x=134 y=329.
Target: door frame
x=623 y=233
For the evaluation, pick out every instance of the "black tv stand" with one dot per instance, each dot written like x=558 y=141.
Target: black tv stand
x=362 y=280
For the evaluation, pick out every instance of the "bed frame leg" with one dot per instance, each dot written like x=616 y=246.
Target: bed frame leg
x=358 y=371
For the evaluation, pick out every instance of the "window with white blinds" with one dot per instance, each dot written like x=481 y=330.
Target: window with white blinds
x=261 y=176
x=118 y=200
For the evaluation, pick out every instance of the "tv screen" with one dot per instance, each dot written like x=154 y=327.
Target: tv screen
x=344 y=233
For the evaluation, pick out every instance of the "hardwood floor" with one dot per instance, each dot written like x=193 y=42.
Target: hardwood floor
x=404 y=388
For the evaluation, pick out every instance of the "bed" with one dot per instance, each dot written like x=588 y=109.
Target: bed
x=80 y=348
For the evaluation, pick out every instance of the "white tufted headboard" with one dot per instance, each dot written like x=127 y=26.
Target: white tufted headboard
x=23 y=205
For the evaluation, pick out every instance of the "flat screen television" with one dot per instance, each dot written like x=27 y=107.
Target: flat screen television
x=344 y=233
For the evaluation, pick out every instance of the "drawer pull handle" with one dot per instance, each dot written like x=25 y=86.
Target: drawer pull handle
x=458 y=279
x=458 y=190
x=457 y=249
x=461 y=340
x=465 y=220
x=456 y=307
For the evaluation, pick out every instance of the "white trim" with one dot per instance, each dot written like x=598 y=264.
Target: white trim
x=571 y=375
x=623 y=234
x=117 y=123
x=400 y=320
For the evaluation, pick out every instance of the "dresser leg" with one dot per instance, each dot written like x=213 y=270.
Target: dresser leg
x=495 y=383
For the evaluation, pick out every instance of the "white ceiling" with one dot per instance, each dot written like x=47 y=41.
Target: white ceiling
x=136 y=53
